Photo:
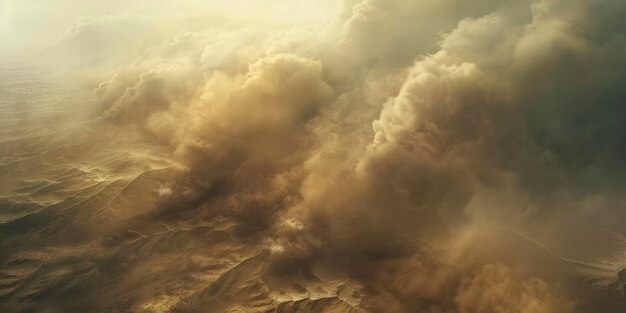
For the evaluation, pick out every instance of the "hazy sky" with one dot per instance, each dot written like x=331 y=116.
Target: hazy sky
x=34 y=24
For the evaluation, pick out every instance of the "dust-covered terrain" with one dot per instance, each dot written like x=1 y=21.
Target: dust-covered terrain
x=313 y=156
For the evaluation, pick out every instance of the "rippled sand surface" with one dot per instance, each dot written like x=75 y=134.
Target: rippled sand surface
x=80 y=227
